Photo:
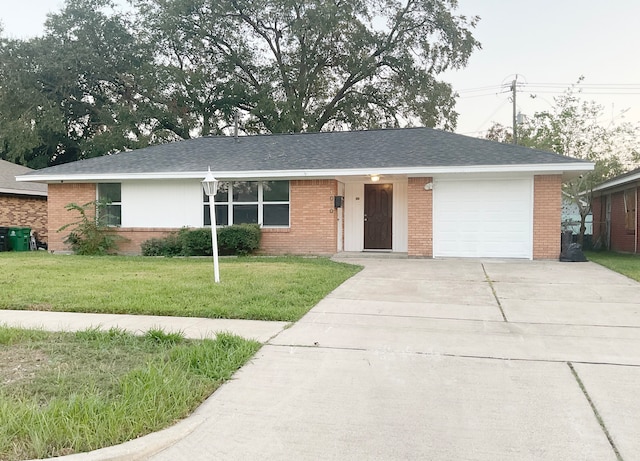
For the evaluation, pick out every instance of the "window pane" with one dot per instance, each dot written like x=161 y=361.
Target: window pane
x=109 y=192
x=111 y=215
x=207 y=216
x=276 y=191
x=222 y=215
x=245 y=191
x=276 y=215
x=223 y=191
x=245 y=214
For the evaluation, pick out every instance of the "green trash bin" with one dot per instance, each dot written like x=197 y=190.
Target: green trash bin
x=19 y=238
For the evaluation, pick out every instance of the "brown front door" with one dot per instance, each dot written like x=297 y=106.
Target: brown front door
x=378 y=210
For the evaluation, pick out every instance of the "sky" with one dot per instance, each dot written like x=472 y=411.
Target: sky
x=548 y=44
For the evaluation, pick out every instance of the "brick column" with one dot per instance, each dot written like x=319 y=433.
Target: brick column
x=420 y=209
x=547 y=216
x=61 y=195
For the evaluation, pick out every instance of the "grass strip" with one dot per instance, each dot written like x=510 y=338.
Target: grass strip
x=64 y=393
x=625 y=264
x=252 y=287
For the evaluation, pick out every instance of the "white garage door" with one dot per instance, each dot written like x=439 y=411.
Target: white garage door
x=483 y=218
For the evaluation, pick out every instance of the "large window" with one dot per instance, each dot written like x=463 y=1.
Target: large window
x=111 y=213
x=239 y=202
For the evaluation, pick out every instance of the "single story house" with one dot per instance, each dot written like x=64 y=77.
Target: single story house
x=22 y=204
x=417 y=191
x=615 y=216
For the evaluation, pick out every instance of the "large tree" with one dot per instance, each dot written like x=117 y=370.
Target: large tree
x=579 y=128
x=313 y=65
x=81 y=90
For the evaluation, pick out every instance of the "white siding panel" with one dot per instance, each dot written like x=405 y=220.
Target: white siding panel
x=175 y=203
x=354 y=217
x=483 y=218
x=400 y=217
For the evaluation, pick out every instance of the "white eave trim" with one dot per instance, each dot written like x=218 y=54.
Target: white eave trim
x=23 y=192
x=550 y=168
x=618 y=182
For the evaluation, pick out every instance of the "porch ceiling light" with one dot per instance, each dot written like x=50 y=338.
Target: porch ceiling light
x=375 y=178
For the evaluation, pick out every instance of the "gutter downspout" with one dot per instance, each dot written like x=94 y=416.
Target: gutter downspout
x=636 y=239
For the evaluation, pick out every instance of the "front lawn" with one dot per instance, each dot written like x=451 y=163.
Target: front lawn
x=625 y=264
x=63 y=393
x=252 y=287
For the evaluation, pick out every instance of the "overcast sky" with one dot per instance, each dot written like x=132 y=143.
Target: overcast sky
x=549 y=44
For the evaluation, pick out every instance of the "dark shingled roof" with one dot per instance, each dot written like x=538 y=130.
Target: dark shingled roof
x=389 y=148
x=9 y=185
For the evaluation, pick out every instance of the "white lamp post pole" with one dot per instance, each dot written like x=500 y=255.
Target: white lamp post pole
x=210 y=186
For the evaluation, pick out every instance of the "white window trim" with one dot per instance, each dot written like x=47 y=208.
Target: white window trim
x=260 y=203
x=111 y=203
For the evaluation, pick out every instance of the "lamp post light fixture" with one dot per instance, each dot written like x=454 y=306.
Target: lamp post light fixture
x=210 y=186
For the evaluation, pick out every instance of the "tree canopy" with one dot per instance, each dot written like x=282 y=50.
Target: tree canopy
x=103 y=79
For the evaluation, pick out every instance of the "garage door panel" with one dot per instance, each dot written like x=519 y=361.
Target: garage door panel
x=483 y=218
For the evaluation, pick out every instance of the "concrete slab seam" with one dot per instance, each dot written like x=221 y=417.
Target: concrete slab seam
x=461 y=356
x=595 y=412
x=493 y=290
x=431 y=317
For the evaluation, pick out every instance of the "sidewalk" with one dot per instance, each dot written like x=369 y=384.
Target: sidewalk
x=191 y=327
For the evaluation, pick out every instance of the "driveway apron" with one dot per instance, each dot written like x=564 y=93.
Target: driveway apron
x=441 y=360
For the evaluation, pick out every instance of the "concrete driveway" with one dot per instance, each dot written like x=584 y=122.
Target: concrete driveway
x=441 y=360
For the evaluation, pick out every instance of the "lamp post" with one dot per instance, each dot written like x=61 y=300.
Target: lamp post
x=210 y=186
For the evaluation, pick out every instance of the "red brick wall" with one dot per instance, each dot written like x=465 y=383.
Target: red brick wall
x=313 y=228
x=622 y=240
x=547 y=211
x=420 y=205
x=24 y=211
x=61 y=195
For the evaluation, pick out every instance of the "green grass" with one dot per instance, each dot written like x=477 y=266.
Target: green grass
x=252 y=288
x=63 y=393
x=625 y=264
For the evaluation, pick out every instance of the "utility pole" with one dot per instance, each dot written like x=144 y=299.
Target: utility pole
x=513 y=98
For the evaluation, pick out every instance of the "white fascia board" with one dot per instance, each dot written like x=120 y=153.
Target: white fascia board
x=618 y=182
x=313 y=174
x=23 y=192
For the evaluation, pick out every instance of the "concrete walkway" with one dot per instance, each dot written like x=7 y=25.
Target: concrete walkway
x=438 y=360
x=190 y=327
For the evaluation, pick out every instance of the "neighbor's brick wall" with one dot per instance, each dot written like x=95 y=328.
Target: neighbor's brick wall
x=420 y=205
x=547 y=211
x=61 y=195
x=622 y=240
x=24 y=211
x=313 y=227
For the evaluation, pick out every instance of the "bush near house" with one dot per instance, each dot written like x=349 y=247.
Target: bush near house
x=239 y=239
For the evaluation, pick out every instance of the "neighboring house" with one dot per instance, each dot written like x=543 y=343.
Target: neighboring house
x=22 y=204
x=417 y=191
x=615 y=213
x=571 y=217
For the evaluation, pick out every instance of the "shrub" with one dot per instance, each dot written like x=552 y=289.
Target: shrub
x=88 y=235
x=240 y=239
x=195 y=242
x=168 y=246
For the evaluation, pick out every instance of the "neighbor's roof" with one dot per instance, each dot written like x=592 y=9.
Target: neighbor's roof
x=626 y=178
x=409 y=151
x=9 y=185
